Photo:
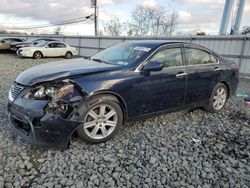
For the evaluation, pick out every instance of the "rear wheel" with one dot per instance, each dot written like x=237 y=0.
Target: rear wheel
x=68 y=55
x=37 y=55
x=101 y=120
x=218 y=98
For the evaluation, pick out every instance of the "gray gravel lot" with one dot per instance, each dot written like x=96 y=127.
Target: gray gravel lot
x=184 y=149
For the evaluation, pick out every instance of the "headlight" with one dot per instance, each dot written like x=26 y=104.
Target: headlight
x=56 y=92
x=40 y=93
x=64 y=91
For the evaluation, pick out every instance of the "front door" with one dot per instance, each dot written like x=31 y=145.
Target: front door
x=165 y=89
x=48 y=50
x=55 y=49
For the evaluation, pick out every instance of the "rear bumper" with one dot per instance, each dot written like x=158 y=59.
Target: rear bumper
x=40 y=128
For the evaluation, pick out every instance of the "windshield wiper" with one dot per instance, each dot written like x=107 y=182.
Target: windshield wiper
x=99 y=60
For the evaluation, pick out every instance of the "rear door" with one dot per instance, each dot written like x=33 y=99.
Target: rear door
x=203 y=71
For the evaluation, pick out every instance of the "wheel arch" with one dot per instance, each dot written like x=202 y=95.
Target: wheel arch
x=112 y=96
x=38 y=51
x=104 y=94
x=228 y=88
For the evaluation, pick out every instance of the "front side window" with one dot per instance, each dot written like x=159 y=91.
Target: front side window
x=51 y=45
x=18 y=40
x=59 y=45
x=196 y=57
x=213 y=59
x=171 y=57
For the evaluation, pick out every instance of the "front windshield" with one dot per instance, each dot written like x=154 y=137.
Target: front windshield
x=123 y=54
x=41 y=44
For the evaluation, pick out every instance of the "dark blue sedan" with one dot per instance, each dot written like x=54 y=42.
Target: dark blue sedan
x=131 y=80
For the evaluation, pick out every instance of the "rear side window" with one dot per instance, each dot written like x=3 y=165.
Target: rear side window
x=171 y=57
x=196 y=57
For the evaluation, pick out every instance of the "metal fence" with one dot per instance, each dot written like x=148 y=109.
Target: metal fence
x=236 y=48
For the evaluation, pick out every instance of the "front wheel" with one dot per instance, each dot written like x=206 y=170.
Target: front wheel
x=218 y=98
x=101 y=121
x=37 y=55
x=68 y=55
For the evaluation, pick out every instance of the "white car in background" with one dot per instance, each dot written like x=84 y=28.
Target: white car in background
x=48 y=49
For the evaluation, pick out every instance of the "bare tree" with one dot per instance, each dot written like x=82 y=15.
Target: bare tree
x=200 y=33
x=113 y=27
x=58 y=30
x=245 y=30
x=152 y=21
x=172 y=25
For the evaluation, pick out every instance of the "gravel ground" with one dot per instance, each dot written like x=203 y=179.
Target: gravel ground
x=183 y=149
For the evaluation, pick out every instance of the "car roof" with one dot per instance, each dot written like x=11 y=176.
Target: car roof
x=159 y=43
x=46 y=39
x=56 y=41
x=10 y=38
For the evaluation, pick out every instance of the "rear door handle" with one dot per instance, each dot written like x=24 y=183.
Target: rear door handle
x=216 y=68
x=181 y=74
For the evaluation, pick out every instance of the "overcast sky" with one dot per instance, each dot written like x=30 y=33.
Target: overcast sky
x=192 y=14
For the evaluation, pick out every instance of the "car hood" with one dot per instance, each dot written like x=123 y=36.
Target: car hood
x=31 y=48
x=61 y=69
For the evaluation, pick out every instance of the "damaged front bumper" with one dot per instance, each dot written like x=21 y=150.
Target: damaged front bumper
x=38 y=127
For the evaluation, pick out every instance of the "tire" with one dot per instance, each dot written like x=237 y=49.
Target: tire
x=68 y=55
x=37 y=55
x=217 y=99
x=102 y=119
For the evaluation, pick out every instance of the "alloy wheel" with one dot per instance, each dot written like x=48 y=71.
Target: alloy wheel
x=68 y=55
x=100 y=121
x=38 y=55
x=219 y=98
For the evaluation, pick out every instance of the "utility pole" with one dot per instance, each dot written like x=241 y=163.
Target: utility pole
x=94 y=4
x=226 y=17
x=235 y=29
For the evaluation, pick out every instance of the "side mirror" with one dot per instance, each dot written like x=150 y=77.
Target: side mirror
x=153 y=66
x=35 y=43
x=46 y=46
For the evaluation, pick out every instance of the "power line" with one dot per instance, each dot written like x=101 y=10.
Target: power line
x=66 y=22
x=63 y=15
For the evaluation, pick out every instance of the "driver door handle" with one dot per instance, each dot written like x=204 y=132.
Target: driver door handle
x=181 y=74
